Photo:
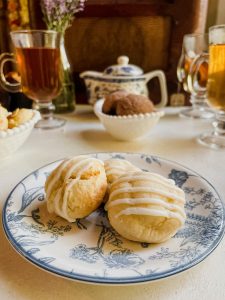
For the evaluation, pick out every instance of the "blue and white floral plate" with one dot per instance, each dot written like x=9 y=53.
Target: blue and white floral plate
x=89 y=250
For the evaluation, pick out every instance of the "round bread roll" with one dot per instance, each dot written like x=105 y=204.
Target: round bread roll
x=134 y=104
x=76 y=187
x=146 y=207
x=114 y=168
x=109 y=105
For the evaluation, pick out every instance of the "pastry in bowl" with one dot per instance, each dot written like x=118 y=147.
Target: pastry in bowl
x=123 y=103
x=110 y=105
x=76 y=187
x=3 y=123
x=15 y=128
x=3 y=111
x=127 y=116
x=146 y=207
x=19 y=116
x=3 y=118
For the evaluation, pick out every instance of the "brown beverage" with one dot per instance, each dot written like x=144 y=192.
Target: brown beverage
x=216 y=81
x=40 y=72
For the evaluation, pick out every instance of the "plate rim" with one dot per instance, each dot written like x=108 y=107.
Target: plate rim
x=104 y=280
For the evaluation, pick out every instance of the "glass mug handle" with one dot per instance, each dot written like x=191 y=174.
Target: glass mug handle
x=192 y=79
x=162 y=82
x=180 y=68
x=5 y=84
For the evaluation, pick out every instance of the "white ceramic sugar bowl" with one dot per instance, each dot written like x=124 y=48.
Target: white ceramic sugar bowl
x=123 y=76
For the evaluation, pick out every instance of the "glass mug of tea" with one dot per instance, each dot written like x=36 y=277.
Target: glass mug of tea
x=215 y=85
x=37 y=55
x=193 y=46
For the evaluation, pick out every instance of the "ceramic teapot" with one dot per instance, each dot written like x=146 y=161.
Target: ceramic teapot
x=122 y=76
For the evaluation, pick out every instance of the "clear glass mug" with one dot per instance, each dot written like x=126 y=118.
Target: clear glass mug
x=193 y=46
x=37 y=55
x=215 y=85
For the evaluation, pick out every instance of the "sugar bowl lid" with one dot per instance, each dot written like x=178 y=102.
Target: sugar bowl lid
x=123 y=68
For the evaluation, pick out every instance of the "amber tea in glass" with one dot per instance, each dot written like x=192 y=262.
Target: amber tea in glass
x=37 y=54
x=193 y=46
x=39 y=70
x=216 y=81
x=202 y=73
x=215 y=86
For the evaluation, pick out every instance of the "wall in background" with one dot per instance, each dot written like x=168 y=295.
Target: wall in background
x=221 y=12
x=216 y=13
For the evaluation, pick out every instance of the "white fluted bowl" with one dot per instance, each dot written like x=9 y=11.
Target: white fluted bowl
x=12 y=139
x=127 y=128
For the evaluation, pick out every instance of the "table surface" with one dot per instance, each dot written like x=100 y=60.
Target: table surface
x=173 y=138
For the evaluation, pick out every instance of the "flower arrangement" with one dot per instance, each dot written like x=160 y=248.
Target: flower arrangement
x=59 y=14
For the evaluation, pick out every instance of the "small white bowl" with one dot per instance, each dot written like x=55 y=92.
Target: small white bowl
x=127 y=128
x=13 y=139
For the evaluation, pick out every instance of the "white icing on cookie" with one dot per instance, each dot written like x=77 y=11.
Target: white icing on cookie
x=166 y=199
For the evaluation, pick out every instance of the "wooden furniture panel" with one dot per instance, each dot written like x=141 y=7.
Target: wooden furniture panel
x=99 y=41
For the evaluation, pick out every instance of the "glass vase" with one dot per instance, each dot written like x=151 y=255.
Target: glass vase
x=66 y=101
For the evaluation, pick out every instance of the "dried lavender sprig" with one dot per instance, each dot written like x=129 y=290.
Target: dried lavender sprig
x=59 y=14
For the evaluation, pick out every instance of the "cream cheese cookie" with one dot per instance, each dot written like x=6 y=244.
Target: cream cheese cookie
x=76 y=187
x=114 y=168
x=146 y=207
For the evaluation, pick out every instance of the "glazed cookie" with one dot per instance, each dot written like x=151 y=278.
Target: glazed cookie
x=76 y=187
x=146 y=207
x=114 y=168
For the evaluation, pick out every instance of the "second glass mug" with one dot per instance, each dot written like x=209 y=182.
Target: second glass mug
x=193 y=46
x=37 y=54
x=215 y=85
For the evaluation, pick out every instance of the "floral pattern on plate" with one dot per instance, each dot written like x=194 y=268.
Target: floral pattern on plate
x=90 y=250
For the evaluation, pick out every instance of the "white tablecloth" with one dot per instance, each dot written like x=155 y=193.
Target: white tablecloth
x=173 y=138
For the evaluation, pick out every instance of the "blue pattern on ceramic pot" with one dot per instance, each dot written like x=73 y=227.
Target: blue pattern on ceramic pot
x=123 y=76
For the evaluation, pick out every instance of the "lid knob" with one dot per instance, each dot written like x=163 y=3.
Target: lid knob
x=123 y=60
x=123 y=68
